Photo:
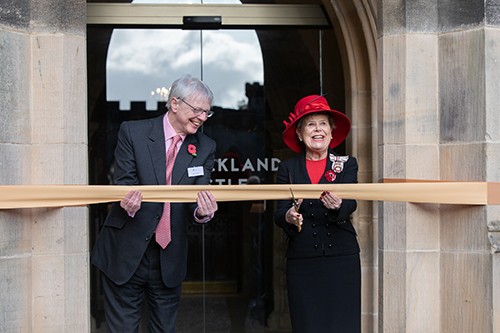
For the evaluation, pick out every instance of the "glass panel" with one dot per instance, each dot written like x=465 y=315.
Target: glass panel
x=141 y=63
x=257 y=77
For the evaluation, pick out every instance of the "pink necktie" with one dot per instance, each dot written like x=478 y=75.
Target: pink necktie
x=163 y=228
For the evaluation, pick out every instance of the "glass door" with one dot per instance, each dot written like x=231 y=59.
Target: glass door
x=257 y=75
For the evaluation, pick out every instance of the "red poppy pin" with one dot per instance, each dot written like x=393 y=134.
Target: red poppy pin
x=330 y=176
x=192 y=150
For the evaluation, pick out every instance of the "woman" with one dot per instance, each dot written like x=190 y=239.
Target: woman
x=323 y=266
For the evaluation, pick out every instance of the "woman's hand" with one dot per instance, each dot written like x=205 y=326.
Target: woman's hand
x=292 y=216
x=330 y=200
x=132 y=202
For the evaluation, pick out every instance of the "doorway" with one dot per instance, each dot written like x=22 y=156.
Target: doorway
x=232 y=260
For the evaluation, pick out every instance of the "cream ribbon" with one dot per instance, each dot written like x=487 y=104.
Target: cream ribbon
x=460 y=193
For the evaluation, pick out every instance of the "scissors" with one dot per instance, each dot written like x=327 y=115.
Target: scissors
x=295 y=203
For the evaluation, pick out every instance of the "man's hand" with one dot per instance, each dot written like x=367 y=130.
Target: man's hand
x=207 y=206
x=132 y=202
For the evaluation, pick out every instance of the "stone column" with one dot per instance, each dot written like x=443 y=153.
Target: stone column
x=439 y=89
x=43 y=140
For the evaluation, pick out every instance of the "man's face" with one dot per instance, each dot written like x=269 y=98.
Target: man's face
x=188 y=114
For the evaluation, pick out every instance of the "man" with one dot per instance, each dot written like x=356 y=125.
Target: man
x=142 y=247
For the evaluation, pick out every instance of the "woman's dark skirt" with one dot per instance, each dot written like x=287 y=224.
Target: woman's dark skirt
x=324 y=294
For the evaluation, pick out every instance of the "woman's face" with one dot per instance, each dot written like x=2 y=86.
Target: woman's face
x=316 y=132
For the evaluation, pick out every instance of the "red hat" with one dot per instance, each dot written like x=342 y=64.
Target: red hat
x=311 y=104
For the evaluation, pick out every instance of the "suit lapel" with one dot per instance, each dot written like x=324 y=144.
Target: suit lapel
x=183 y=159
x=157 y=150
x=301 y=176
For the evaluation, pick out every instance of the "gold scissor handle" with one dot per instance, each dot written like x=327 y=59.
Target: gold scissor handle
x=295 y=204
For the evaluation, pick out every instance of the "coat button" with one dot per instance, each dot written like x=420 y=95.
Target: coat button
x=328 y=234
x=330 y=246
x=312 y=215
x=315 y=234
x=315 y=246
x=313 y=225
x=327 y=225
x=310 y=203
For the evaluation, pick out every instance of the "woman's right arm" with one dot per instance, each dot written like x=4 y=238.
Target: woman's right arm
x=283 y=177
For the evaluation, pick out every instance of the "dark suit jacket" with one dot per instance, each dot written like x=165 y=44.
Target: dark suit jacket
x=324 y=231
x=140 y=160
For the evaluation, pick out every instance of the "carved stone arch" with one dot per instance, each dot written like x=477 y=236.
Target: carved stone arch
x=355 y=33
x=355 y=27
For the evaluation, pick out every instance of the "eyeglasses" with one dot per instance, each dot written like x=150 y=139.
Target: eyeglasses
x=198 y=111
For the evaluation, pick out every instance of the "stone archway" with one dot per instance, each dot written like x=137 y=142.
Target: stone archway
x=355 y=31
x=354 y=25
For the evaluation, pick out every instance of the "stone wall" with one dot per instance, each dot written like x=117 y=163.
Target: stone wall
x=438 y=107
x=422 y=90
x=43 y=140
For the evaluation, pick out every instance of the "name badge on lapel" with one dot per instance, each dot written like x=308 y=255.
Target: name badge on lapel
x=195 y=171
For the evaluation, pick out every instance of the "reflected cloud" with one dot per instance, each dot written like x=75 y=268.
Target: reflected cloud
x=141 y=60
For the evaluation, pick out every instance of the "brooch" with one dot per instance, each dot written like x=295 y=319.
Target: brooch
x=337 y=166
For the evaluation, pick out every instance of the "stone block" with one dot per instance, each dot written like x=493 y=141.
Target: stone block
x=48 y=89
x=15 y=164
x=459 y=15
x=421 y=108
x=59 y=163
x=492 y=84
x=421 y=16
x=462 y=162
x=394 y=161
x=48 y=230
x=492 y=13
x=60 y=106
x=422 y=288
x=422 y=227
x=466 y=291
x=15 y=233
x=360 y=138
x=77 y=292
x=59 y=15
x=422 y=161
x=495 y=292
x=16 y=14
x=492 y=160
x=14 y=74
x=393 y=104
x=392 y=17
x=60 y=230
x=15 y=298
x=365 y=239
x=393 y=289
x=48 y=288
x=392 y=228
x=462 y=87
x=76 y=230
x=369 y=289
x=463 y=228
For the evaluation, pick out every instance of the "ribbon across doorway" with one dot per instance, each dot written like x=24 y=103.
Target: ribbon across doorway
x=438 y=192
